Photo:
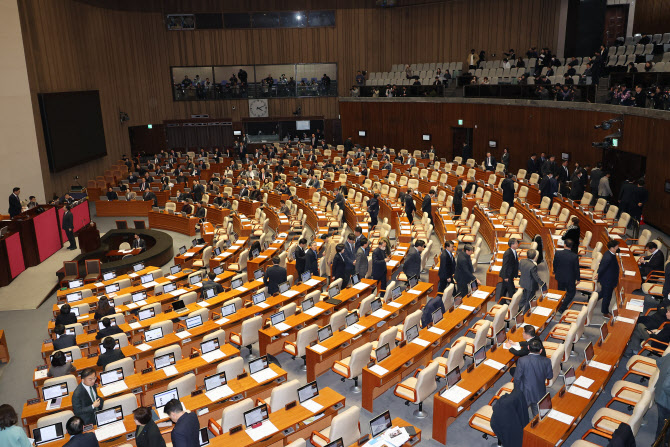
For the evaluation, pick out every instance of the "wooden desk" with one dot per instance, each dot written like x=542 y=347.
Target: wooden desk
x=172 y=222
x=123 y=208
x=398 y=422
x=115 y=253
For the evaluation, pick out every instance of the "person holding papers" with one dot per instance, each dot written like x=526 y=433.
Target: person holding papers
x=186 y=430
x=85 y=400
x=75 y=428
x=274 y=275
x=147 y=433
x=531 y=372
x=521 y=349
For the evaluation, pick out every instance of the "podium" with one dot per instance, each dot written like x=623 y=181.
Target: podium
x=89 y=238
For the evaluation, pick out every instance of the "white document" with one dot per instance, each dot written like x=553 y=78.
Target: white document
x=561 y=417
x=41 y=374
x=266 y=429
x=110 y=430
x=436 y=330
x=629 y=273
x=312 y=406
x=283 y=327
x=496 y=268
x=420 y=342
x=603 y=366
x=171 y=277
x=82 y=317
x=415 y=292
x=553 y=296
x=241 y=289
x=219 y=393
x=133 y=275
x=135 y=325
x=380 y=313
x=354 y=329
x=378 y=370
x=188 y=254
x=264 y=375
x=625 y=320
x=498 y=227
x=468 y=308
x=583 y=382
x=319 y=349
x=132 y=305
x=143 y=347
x=222 y=321
x=494 y=364
x=480 y=294
x=631 y=306
x=311 y=282
x=170 y=370
x=394 y=304
x=99 y=284
x=113 y=388
x=150 y=284
x=183 y=334
x=392 y=263
x=456 y=394
x=314 y=311
x=361 y=286
x=544 y=311
x=580 y=392
x=263 y=305
x=177 y=292
x=290 y=293
x=203 y=304
x=213 y=356
x=261 y=256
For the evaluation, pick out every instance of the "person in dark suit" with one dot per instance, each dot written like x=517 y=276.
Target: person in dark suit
x=412 y=265
x=65 y=316
x=563 y=172
x=211 y=284
x=427 y=205
x=14 y=202
x=349 y=255
x=458 y=198
x=576 y=186
x=150 y=195
x=465 y=273
x=339 y=266
x=507 y=187
x=490 y=162
x=521 y=349
x=108 y=329
x=510 y=268
x=274 y=275
x=147 y=433
x=143 y=185
x=138 y=242
x=188 y=207
x=198 y=191
x=409 y=206
x=573 y=233
x=447 y=266
x=373 y=209
x=531 y=165
x=509 y=417
x=111 y=194
x=200 y=211
x=666 y=286
x=85 y=400
x=299 y=255
x=466 y=152
x=361 y=267
x=648 y=326
x=186 y=430
x=111 y=354
x=68 y=227
x=548 y=186
x=63 y=340
x=608 y=276
x=529 y=280
x=566 y=268
x=653 y=261
x=379 y=260
x=311 y=256
x=531 y=373
x=431 y=306
x=75 y=428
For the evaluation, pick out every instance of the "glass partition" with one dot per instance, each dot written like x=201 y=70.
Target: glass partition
x=232 y=81
x=262 y=132
x=192 y=83
x=316 y=79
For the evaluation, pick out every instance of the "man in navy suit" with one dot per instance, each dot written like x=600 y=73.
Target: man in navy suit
x=68 y=227
x=608 y=276
x=75 y=428
x=566 y=268
x=186 y=430
x=427 y=205
x=64 y=340
x=447 y=266
x=274 y=276
x=409 y=206
x=653 y=261
x=299 y=255
x=531 y=372
x=85 y=400
x=510 y=268
x=490 y=162
x=412 y=265
x=379 y=261
x=349 y=254
x=15 y=202
x=507 y=187
x=339 y=267
x=311 y=263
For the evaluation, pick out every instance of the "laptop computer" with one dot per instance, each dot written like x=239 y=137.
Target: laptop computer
x=544 y=406
x=209 y=345
x=380 y=424
x=215 y=381
x=258 y=365
x=228 y=309
x=169 y=287
x=324 y=333
x=395 y=293
x=307 y=304
x=153 y=334
x=146 y=278
x=55 y=391
x=101 y=326
x=194 y=321
x=412 y=281
x=277 y=318
x=307 y=392
x=182 y=249
x=256 y=416
x=179 y=307
x=412 y=333
x=109 y=416
x=569 y=377
x=382 y=352
x=480 y=356
x=453 y=377
x=258 y=274
x=195 y=279
x=145 y=314
x=588 y=352
x=332 y=293
x=375 y=305
x=49 y=433
x=355 y=279
x=306 y=276
x=208 y=293
x=112 y=288
x=218 y=270
x=351 y=318
x=111 y=376
x=164 y=361
x=74 y=297
x=258 y=298
x=139 y=296
x=68 y=356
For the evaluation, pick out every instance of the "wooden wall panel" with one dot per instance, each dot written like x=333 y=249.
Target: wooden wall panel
x=651 y=16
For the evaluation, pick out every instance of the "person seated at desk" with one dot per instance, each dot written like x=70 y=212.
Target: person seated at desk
x=138 y=242
x=274 y=275
x=431 y=306
x=59 y=365
x=244 y=190
x=521 y=349
x=255 y=194
x=188 y=207
x=108 y=329
x=200 y=211
x=75 y=428
x=655 y=260
x=65 y=317
x=132 y=178
x=183 y=196
x=649 y=326
x=144 y=185
x=148 y=179
x=211 y=284
x=220 y=199
x=32 y=202
x=147 y=433
x=63 y=340
x=284 y=208
x=111 y=354
x=150 y=195
x=111 y=194
x=67 y=200
x=103 y=309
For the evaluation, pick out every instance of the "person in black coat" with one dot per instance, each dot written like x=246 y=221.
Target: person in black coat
x=447 y=266
x=431 y=306
x=299 y=255
x=608 y=276
x=409 y=206
x=465 y=273
x=379 y=260
x=573 y=233
x=65 y=316
x=648 y=326
x=138 y=242
x=339 y=266
x=147 y=433
x=627 y=197
x=509 y=417
x=566 y=268
x=68 y=227
x=149 y=195
x=111 y=194
x=507 y=187
x=186 y=430
x=655 y=260
x=63 y=340
x=548 y=186
x=311 y=256
x=466 y=152
x=642 y=196
x=211 y=284
x=85 y=399
x=509 y=269
x=531 y=165
x=111 y=354
x=75 y=428
x=108 y=329
x=412 y=265
x=427 y=205
x=198 y=191
x=458 y=198
x=576 y=187
x=274 y=276
x=666 y=286
x=14 y=203
x=349 y=254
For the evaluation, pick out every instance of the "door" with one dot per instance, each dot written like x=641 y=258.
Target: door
x=460 y=135
x=616 y=22
x=623 y=165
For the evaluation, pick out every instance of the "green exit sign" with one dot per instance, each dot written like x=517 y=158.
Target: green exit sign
x=150 y=126
x=460 y=122
x=615 y=142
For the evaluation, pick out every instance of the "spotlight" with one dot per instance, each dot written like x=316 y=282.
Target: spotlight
x=607 y=125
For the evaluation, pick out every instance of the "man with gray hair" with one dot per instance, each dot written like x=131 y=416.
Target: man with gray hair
x=529 y=280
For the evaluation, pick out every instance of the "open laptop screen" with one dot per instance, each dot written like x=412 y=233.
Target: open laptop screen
x=381 y=423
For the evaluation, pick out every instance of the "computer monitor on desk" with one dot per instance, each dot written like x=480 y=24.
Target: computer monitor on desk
x=49 y=433
x=307 y=392
x=108 y=416
x=544 y=406
x=588 y=353
x=256 y=416
x=453 y=376
x=382 y=352
x=325 y=333
x=111 y=376
x=215 y=381
x=380 y=424
x=161 y=399
x=153 y=334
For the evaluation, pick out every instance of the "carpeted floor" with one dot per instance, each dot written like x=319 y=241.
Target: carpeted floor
x=16 y=387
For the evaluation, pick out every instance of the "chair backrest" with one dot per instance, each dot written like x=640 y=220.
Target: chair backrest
x=250 y=328
x=556 y=359
x=388 y=336
x=74 y=350
x=305 y=337
x=71 y=268
x=233 y=415
x=346 y=426
x=69 y=379
x=499 y=318
x=284 y=394
x=412 y=319
x=61 y=416
x=591 y=307
x=448 y=297
x=425 y=382
x=639 y=411
x=78 y=328
x=480 y=336
x=220 y=335
x=92 y=266
x=456 y=355
x=337 y=319
x=569 y=342
x=387 y=294
x=233 y=367
x=167 y=326
x=189 y=298
x=513 y=307
x=127 y=365
x=586 y=240
x=128 y=402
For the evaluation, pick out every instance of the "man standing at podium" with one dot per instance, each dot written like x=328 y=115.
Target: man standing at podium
x=14 y=202
x=68 y=227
